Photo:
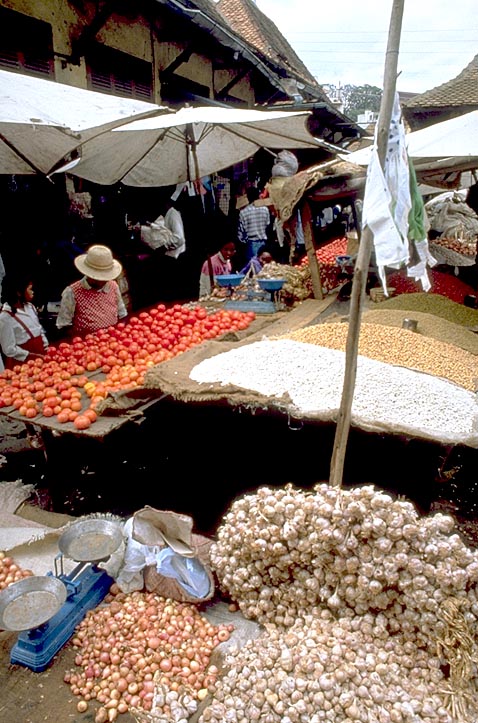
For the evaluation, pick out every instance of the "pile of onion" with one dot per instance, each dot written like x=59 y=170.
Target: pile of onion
x=142 y=652
x=10 y=571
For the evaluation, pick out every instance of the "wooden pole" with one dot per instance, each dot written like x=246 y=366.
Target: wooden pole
x=306 y=217
x=363 y=258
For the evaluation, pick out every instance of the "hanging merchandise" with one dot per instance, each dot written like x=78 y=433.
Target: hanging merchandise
x=223 y=193
x=285 y=164
x=393 y=209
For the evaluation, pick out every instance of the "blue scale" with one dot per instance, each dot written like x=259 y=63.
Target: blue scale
x=265 y=300
x=47 y=609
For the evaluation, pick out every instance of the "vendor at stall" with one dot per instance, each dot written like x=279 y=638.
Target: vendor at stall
x=258 y=262
x=93 y=302
x=216 y=265
x=253 y=225
x=22 y=336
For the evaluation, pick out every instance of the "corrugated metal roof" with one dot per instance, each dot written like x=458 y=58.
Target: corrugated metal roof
x=462 y=90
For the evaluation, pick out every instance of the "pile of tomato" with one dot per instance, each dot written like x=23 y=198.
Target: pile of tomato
x=330 y=271
x=57 y=384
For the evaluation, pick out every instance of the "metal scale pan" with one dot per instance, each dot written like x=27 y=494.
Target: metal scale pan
x=47 y=609
x=90 y=540
x=30 y=602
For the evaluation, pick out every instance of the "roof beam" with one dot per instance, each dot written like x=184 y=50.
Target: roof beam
x=226 y=88
x=89 y=33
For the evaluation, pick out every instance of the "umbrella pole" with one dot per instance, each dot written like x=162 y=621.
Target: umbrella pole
x=192 y=148
x=363 y=258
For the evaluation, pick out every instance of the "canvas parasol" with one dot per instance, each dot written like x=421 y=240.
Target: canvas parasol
x=456 y=138
x=189 y=144
x=41 y=121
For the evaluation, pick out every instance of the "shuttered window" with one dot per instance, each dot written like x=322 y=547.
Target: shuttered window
x=111 y=71
x=26 y=44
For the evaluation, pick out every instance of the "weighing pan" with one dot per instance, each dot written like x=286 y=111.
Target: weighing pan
x=271 y=284
x=230 y=279
x=30 y=602
x=91 y=540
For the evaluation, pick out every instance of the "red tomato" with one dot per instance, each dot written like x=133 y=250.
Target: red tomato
x=82 y=421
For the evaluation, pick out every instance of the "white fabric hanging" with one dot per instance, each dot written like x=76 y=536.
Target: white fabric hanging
x=387 y=200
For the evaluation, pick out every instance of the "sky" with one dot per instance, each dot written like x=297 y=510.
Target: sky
x=345 y=44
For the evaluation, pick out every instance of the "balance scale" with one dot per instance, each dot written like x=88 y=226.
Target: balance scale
x=47 y=609
x=265 y=300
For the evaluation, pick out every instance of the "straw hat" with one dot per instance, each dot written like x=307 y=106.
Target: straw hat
x=98 y=263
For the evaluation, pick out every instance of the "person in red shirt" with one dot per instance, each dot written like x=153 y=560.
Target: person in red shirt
x=94 y=302
x=216 y=265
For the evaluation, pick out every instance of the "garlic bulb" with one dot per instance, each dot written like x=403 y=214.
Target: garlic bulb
x=365 y=580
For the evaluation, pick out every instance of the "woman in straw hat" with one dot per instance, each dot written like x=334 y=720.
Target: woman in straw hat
x=94 y=302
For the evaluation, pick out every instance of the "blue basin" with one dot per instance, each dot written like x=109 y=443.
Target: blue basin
x=229 y=279
x=271 y=284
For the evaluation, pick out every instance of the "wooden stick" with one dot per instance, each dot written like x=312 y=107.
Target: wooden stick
x=306 y=217
x=363 y=258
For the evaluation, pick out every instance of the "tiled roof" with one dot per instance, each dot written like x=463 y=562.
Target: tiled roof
x=209 y=7
x=462 y=90
x=258 y=30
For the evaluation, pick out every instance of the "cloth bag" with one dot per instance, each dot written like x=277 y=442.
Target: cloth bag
x=165 y=557
x=157 y=235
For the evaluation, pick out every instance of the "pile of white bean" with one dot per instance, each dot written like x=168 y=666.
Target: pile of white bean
x=386 y=397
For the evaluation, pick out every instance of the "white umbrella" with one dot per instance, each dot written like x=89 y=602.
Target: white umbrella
x=189 y=144
x=456 y=138
x=41 y=121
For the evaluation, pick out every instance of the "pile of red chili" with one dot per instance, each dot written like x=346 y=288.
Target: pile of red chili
x=446 y=284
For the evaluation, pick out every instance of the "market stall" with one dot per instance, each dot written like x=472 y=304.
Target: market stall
x=93 y=386
x=300 y=374
x=453 y=229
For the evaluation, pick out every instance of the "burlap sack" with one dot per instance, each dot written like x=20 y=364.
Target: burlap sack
x=169 y=587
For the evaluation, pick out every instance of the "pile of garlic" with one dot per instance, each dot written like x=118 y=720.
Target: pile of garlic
x=374 y=605
x=327 y=670
x=296 y=287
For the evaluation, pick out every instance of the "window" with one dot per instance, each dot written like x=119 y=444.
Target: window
x=111 y=71
x=25 y=44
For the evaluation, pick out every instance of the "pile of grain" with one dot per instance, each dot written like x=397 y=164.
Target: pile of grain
x=430 y=325
x=400 y=347
x=433 y=304
x=308 y=379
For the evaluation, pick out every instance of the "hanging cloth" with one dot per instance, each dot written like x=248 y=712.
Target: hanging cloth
x=387 y=200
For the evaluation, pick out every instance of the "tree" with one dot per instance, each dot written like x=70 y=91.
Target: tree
x=357 y=99
x=361 y=98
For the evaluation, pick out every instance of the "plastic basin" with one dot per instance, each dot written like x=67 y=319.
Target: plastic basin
x=271 y=284
x=229 y=279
